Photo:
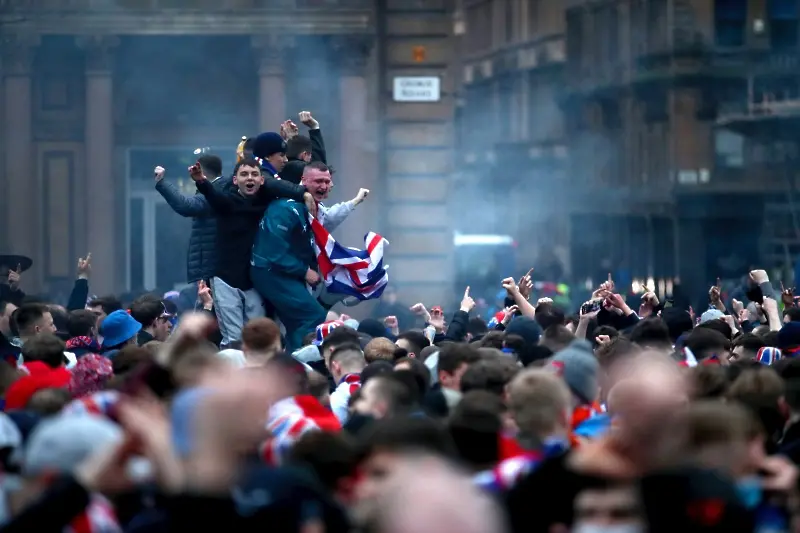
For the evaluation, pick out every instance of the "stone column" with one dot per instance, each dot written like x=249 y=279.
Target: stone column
x=103 y=177
x=355 y=166
x=270 y=52
x=22 y=203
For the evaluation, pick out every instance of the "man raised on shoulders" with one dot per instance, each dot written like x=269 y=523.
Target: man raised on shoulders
x=238 y=214
x=284 y=263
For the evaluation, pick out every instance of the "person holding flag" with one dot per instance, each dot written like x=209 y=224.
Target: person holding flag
x=284 y=265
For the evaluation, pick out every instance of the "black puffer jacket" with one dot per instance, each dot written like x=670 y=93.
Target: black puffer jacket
x=201 y=260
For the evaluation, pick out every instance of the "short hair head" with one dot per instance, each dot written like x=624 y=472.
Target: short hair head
x=28 y=316
x=45 y=347
x=297 y=145
x=211 y=165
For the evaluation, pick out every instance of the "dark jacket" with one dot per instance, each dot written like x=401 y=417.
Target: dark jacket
x=202 y=255
x=283 y=241
x=293 y=169
x=7 y=294
x=238 y=219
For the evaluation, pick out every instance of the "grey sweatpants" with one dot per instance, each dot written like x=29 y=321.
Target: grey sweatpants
x=234 y=308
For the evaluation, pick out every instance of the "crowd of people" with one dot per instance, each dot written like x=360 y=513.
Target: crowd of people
x=253 y=405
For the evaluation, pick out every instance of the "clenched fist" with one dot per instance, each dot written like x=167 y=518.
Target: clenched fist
x=159 y=173
x=307 y=119
x=361 y=196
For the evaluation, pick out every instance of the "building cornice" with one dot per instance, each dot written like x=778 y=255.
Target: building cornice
x=189 y=22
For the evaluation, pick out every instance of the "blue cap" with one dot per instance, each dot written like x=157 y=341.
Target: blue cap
x=118 y=327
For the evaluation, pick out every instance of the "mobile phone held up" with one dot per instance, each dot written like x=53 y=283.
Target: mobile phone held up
x=592 y=306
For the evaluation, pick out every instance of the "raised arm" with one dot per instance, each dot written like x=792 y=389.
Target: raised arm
x=275 y=188
x=219 y=200
x=185 y=206
x=315 y=134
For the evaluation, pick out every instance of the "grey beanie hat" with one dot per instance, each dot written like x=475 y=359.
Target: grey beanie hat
x=61 y=443
x=579 y=367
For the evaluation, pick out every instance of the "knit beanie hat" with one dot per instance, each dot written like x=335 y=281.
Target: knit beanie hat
x=577 y=365
x=267 y=144
x=678 y=322
x=789 y=336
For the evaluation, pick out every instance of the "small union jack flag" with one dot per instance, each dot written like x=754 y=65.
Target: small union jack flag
x=358 y=273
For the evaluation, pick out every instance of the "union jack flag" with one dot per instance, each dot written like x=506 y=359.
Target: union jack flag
x=359 y=273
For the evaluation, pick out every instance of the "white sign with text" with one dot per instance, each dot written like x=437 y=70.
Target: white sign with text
x=417 y=89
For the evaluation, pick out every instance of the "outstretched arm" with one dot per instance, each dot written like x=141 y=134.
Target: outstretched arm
x=185 y=206
x=315 y=134
x=219 y=201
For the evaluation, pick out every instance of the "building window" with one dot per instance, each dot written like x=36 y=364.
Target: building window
x=511 y=35
x=657 y=40
x=783 y=25
x=612 y=42
x=575 y=34
x=730 y=22
x=728 y=149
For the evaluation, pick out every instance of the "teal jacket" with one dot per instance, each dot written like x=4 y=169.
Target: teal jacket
x=284 y=239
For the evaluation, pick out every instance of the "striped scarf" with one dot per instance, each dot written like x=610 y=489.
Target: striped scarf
x=99 y=403
x=358 y=273
x=509 y=471
x=99 y=517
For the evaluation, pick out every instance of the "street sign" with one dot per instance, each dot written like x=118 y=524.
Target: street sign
x=417 y=89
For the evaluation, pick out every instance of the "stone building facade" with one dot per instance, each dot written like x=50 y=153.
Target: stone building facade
x=655 y=106
x=95 y=94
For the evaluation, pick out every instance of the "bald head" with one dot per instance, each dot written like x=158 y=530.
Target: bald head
x=444 y=500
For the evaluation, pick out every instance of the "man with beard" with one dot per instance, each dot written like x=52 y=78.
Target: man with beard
x=284 y=265
x=238 y=213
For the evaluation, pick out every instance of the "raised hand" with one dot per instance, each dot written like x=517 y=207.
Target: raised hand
x=307 y=119
x=714 y=293
x=510 y=286
x=159 y=173
x=649 y=303
x=759 y=276
x=605 y=288
x=289 y=129
x=14 y=278
x=418 y=309
x=196 y=173
x=526 y=285
x=85 y=266
x=361 y=196
x=787 y=296
x=436 y=318
x=204 y=295
x=391 y=324
x=467 y=303
x=508 y=314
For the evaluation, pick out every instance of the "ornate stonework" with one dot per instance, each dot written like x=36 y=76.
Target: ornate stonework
x=18 y=53
x=351 y=52
x=271 y=52
x=100 y=51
